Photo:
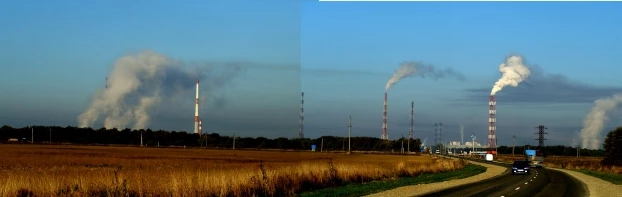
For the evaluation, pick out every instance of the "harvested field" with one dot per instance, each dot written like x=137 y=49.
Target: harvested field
x=55 y=170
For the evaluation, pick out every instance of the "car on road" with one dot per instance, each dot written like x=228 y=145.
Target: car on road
x=489 y=157
x=520 y=167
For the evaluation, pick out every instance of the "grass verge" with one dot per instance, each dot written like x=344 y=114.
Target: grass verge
x=361 y=189
x=613 y=178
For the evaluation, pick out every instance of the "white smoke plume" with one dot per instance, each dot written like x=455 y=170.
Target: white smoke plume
x=410 y=69
x=462 y=133
x=574 y=142
x=595 y=121
x=141 y=81
x=512 y=71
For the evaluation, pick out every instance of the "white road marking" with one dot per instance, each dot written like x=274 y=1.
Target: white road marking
x=526 y=183
x=517 y=188
x=530 y=179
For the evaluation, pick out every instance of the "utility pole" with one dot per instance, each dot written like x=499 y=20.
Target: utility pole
x=435 y=137
x=513 y=144
x=473 y=138
x=578 y=151
x=322 y=146
x=141 y=138
x=233 y=141
x=349 y=133
x=412 y=123
x=32 y=135
x=402 y=144
x=50 y=135
x=440 y=130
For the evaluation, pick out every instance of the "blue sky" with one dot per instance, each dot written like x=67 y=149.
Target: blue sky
x=56 y=55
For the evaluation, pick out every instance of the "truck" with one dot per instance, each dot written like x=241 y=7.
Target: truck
x=535 y=158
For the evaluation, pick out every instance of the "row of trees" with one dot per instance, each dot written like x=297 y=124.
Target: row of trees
x=41 y=134
x=69 y=134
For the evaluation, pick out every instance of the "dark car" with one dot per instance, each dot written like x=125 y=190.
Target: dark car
x=520 y=167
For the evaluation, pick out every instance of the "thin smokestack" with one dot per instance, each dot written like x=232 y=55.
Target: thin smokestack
x=385 y=135
x=196 y=110
x=301 y=133
x=462 y=134
x=412 y=120
x=492 y=121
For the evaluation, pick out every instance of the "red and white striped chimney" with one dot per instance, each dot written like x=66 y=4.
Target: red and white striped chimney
x=492 y=121
x=196 y=110
x=385 y=135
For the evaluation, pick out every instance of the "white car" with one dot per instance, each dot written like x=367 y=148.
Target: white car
x=489 y=157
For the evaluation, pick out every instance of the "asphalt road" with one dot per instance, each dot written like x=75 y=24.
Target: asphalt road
x=541 y=182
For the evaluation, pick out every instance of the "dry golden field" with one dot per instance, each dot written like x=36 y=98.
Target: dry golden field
x=55 y=170
x=569 y=162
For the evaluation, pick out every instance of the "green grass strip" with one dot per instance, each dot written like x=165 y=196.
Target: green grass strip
x=361 y=189
x=613 y=178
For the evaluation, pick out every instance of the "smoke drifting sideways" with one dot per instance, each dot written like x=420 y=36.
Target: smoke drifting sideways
x=138 y=82
x=412 y=69
x=512 y=71
x=594 y=122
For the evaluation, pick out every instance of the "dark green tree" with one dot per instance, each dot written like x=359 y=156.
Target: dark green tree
x=613 y=148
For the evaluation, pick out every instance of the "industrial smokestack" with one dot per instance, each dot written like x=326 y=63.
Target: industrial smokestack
x=301 y=133
x=385 y=135
x=492 y=121
x=412 y=120
x=139 y=82
x=196 y=110
x=462 y=134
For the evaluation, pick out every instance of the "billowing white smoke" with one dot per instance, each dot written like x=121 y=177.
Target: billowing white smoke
x=512 y=73
x=410 y=69
x=574 y=142
x=139 y=82
x=595 y=121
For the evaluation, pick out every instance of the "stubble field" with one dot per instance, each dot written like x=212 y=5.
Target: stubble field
x=55 y=170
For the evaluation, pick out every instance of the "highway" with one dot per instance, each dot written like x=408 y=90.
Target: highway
x=541 y=182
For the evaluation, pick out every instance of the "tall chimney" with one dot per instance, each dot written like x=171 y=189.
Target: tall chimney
x=412 y=121
x=385 y=135
x=301 y=133
x=196 y=110
x=492 y=121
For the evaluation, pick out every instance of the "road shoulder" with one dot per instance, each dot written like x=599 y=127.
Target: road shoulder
x=596 y=187
x=416 y=190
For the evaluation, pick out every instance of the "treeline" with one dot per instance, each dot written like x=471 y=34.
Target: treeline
x=69 y=134
x=552 y=150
